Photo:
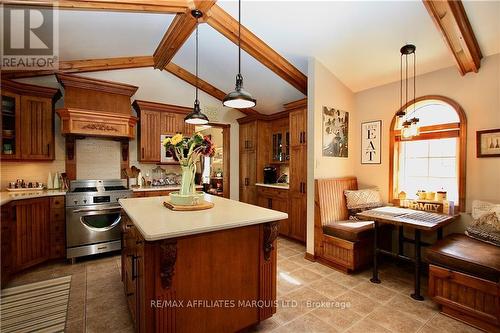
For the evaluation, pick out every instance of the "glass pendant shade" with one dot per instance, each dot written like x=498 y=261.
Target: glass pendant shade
x=400 y=119
x=196 y=117
x=414 y=128
x=406 y=130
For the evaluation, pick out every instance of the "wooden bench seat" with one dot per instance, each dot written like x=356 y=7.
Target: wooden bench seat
x=464 y=279
x=338 y=242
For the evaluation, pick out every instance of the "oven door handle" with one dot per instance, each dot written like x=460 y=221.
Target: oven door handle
x=96 y=210
x=109 y=227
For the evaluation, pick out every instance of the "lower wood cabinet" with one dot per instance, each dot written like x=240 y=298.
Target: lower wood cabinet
x=276 y=199
x=33 y=231
x=298 y=216
x=143 y=194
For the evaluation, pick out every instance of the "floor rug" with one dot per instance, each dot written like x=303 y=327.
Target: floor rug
x=35 y=307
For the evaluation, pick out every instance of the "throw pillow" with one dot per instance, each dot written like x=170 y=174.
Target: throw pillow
x=480 y=208
x=486 y=229
x=361 y=200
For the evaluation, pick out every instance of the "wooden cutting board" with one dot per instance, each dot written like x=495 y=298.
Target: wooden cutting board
x=203 y=205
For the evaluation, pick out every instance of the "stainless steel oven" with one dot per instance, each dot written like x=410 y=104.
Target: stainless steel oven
x=93 y=217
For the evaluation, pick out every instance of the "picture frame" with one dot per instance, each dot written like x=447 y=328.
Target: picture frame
x=335 y=132
x=488 y=143
x=371 y=142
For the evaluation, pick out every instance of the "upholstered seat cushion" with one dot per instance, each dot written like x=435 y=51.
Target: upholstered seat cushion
x=464 y=254
x=349 y=230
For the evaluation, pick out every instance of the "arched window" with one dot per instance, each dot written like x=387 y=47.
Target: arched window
x=434 y=160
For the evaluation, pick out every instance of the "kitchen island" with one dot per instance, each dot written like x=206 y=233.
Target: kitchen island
x=201 y=271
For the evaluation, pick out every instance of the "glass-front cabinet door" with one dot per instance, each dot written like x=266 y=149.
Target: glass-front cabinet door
x=281 y=146
x=10 y=144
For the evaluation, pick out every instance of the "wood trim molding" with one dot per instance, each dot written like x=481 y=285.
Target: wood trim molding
x=451 y=20
x=69 y=80
x=177 y=33
x=168 y=257
x=449 y=129
x=96 y=123
x=224 y=23
x=30 y=89
x=270 y=235
x=292 y=106
x=143 y=6
x=139 y=105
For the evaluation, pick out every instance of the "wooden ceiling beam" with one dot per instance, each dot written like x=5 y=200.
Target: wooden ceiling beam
x=202 y=85
x=96 y=65
x=178 y=32
x=143 y=6
x=224 y=23
x=451 y=20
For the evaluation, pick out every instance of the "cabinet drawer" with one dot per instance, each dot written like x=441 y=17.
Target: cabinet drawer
x=272 y=192
x=57 y=215
x=57 y=202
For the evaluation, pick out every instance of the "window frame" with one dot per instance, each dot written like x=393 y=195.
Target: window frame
x=450 y=130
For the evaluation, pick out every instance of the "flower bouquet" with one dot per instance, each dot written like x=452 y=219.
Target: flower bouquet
x=187 y=151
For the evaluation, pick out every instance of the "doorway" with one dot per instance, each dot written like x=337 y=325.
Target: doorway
x=215 y=174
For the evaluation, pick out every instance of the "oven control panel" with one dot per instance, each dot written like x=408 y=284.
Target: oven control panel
x=88 y=199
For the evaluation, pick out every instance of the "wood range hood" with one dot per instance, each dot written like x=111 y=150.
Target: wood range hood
x=96 y=108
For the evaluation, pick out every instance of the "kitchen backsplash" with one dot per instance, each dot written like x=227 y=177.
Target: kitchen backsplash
x=97 y=159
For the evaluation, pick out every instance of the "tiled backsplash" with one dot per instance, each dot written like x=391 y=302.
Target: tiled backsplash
x=97 y=158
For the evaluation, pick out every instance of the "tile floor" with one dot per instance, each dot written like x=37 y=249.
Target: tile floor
x=313 y=298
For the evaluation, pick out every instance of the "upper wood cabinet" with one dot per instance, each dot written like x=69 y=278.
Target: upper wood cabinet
x=298 y=127
x=156 y=119
x=27 y=122
x=248 y=136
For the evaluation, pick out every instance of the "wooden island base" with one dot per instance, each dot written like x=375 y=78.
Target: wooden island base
x=221 y=281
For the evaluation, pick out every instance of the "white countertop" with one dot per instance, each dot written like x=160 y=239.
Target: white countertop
x=160 y=188
x=156 y=222
x=6 y=197
x=282 y=186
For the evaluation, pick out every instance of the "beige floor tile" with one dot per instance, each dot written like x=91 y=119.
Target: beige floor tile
x=320 y=269
x=286 y=283
x=304 y=275
x=395 y=320
x=75 y=326
x=420 y=310
x=358 y=303
x=306 y=323
x=265 y=326
x=328 y=287
x=339 y=318
x=446 y=324
x=285 y=265
x=299 y=259
x=367 y=326
x=347 y=280
x=287 y=252
x=287 y=313
x=375 y=291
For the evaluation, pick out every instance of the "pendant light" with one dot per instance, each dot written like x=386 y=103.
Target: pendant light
x=409 y=126
x=196 y=117
x=239 y=98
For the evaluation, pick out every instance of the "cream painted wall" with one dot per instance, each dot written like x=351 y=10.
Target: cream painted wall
x=479 y=96
x=154 y=85
x=325 y=89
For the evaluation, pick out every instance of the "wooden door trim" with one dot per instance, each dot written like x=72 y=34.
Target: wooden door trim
x=226 y=157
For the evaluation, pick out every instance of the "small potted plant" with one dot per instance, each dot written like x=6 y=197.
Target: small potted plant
x=187 y=151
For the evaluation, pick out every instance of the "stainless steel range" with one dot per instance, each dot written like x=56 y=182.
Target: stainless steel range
x=93 y=216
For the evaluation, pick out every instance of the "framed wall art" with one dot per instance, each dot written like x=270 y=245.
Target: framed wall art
x=335 y=132
x=488 y=143
x=371 y=142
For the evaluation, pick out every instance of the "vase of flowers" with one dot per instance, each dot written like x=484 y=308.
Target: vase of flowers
x=187 y=150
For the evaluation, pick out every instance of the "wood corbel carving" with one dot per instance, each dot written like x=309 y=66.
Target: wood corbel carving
x=168 y=257
x=70 y=157
x=270 y=234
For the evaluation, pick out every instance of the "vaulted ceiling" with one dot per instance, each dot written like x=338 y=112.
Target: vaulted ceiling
x=357 y=41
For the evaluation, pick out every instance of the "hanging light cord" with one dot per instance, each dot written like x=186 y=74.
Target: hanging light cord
x=196 y=59
x=239 y=37
x=401 y=82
